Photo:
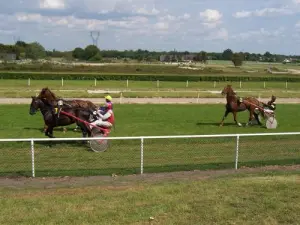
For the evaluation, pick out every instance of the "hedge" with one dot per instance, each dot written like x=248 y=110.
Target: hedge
x=80 y=76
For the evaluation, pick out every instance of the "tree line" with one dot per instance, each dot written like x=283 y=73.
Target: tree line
x=35 y=50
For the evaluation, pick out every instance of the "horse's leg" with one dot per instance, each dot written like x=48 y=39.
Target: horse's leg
x=225 y=115
x=250 y=117
x=257 y=119
x=235 y=119
x=47 y=131
x=45 y=128
x=50 y=132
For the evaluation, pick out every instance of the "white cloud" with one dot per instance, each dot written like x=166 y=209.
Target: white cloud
x=186 y=16
x=211 y=15
x=265 y=12
x=161 y=26
x=242 y=14
x=297 y=25
x=25 y=17
x=220 y=34
x=7 y=32
x=296 y=1
x=262 y=33
x=52 y=4
x=172 y=18
x=211 y=18
x=82 y=24
x=144 y=11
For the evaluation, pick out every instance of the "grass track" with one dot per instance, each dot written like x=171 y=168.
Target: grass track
x=79 y=89
x=269 y=198
x=160 y=155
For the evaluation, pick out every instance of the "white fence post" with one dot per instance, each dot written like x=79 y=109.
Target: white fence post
x=237 y=151
x=32 y=157
x=127 y=83
x=240 y=84
x=28 y=82
x=157 y=83
x=187 y=83
x=95 y=82
x=142 y=155
x=62 y=82
x=286 y=85
x=121 y=95
x=264 y=84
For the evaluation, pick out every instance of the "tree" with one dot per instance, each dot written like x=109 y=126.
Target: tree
x=203 y=56
x=227 y=54
x=167 y=58
x=35 y=51
x=268 y=55
x=90 y=51
x=21 y=44
x=78 y=53
x=96 y=57
x=237 y=59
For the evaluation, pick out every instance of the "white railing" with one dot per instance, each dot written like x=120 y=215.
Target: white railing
x=142 y=138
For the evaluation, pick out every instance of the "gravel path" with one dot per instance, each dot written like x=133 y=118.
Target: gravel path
x=155 y=100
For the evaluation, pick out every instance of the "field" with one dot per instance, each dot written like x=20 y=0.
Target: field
x=123 y=157
x=188 y=198
x=90 y=89
x=185 y=180
x=212 y=67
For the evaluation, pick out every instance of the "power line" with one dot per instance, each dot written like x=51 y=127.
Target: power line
x=95 y=36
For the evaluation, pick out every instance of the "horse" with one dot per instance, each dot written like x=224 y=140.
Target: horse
x=53 y=120
x=234 y=105
x=46 y=93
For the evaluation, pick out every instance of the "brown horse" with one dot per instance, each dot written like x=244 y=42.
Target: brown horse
x=53 y=120
x=47 y=94
x=235 y=104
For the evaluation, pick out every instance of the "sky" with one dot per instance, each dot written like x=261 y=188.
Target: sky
x=161 y=25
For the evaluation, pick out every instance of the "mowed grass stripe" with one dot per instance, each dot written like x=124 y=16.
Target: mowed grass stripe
x=123 y=157
x=136 y=85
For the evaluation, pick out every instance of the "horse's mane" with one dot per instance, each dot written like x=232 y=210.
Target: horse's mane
x=231 y=92
x=48 y=94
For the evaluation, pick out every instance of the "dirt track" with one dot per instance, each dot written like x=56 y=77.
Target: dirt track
x=119 y=181
x=155 y=100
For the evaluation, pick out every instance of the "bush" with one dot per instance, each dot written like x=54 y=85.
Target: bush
x=136 y=77
x=237 y=59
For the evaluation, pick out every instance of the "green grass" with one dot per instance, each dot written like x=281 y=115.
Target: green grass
x=256 y=199
x=212 y=67
x=123 y=157
x=80 y=89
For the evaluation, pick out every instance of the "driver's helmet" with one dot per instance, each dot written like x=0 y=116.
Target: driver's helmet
x=108 y=98
x=273 y=106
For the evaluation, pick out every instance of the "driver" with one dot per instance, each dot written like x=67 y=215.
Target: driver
x=105 y=115
x=271 y=105
x=108 y=100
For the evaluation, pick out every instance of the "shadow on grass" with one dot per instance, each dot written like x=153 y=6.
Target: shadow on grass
x=217 y=124
x=54 y=129
x=147 y=169
x=227 y=124
x=57 y=144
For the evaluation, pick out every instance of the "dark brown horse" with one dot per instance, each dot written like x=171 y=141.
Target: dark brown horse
x=52 y=119
x=47 y=94
x=235 y=104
